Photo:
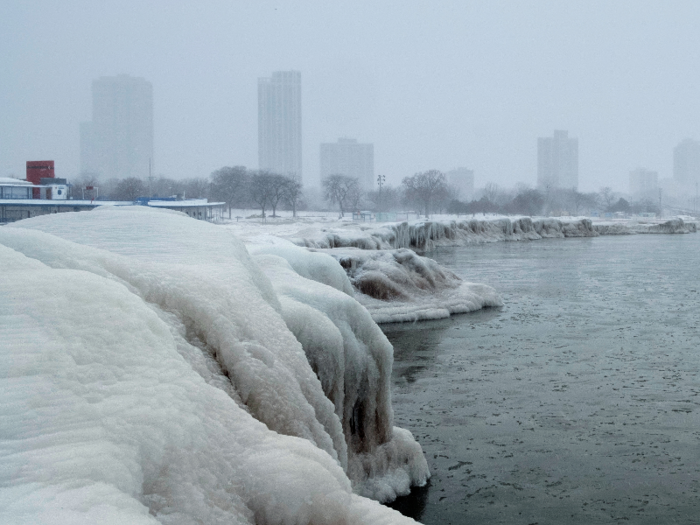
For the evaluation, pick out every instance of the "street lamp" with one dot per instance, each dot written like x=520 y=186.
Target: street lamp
x=381 y=179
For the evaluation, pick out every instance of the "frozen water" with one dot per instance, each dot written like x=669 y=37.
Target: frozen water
x=149 y=375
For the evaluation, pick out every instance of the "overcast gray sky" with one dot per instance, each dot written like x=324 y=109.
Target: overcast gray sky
x=431 y=84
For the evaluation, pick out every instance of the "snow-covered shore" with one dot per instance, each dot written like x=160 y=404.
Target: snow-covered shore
x=396 y=284
x=424 y=235
x=156 y=369
x=153 y=371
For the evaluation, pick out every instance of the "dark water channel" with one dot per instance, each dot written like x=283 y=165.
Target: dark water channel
x=577 y=402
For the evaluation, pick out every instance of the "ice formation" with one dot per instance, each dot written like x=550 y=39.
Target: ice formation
x=632 y=227
x=426 y=235
x=151 y=373
x=400 y=285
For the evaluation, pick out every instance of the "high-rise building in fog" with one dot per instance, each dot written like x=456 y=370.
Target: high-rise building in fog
x=118 y=142
x=279 y=123
x=644 y=184
x=462 y=179
x=686 y=162
x=557 y=161
x=348 y=157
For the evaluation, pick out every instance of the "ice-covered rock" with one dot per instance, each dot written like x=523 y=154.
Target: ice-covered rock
x=400 y=285
x=149 y=375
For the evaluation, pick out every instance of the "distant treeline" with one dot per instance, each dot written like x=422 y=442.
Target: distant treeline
x=426 y=192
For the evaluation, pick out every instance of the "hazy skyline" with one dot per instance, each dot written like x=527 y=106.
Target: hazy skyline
x=432 y=85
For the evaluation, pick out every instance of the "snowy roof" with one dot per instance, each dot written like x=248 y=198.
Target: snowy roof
x=63 y=203
x=9 y=181
x=189 y=203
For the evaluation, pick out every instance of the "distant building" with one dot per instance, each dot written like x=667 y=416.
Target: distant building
x=37 y=170
x=557 y=161
x=17 y=201
x=463 y=180
x=118 y=142
x=348 y=157
x=644 y=184
x=279 y=123
x=686 y=162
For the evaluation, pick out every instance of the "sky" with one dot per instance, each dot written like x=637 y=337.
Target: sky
x=433 y=85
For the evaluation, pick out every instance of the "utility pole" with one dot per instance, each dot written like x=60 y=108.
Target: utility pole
x=150 y=179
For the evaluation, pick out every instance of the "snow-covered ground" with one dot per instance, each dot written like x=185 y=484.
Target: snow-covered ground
x=153 y=370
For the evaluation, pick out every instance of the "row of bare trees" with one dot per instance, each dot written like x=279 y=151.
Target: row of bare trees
x=238 y=187
x=427 y=189
x=551 y=201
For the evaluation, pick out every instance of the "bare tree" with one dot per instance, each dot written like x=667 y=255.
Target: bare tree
x=197 y=188
x=492 y=192
x=342 y=190
x=85 y=180
x=229 y=185
x=262 y=189
x=165 y=187
x=292 y=195
x=425 y=188
x=129 y=189
x=607 y=197
x=277 y=189
x=528 y=202
x=389 y=200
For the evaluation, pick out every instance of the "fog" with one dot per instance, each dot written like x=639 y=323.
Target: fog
x=432 y=85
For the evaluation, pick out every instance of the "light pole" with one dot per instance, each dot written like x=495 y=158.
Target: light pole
x=381 y=179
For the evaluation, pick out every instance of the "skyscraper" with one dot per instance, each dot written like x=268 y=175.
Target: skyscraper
x=347 y=157
x=557 y=161
x=279 y=123
x=118 y=142
x=462 y=179
x=644 y=184
x=686 y=162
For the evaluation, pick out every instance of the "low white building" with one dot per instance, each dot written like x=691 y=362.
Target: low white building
x=20 y=200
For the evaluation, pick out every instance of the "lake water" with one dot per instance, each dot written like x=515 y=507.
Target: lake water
x=578 y=402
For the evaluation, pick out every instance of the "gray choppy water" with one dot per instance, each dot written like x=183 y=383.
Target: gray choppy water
x=577 y=402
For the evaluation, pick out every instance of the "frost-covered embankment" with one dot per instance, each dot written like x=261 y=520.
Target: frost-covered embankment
x=154 y=372
x=425 y=235
x=672 y=226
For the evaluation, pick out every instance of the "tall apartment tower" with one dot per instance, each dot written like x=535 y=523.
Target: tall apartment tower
x=644 y=184
x=686 y=162
x=557 y=161
x=462 y=179
x=279 y=123
x=348 y=157
x=118 y=142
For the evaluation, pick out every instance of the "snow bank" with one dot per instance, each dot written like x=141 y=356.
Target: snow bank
x=426 y=235
x=630 y=227
x=149 y=376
